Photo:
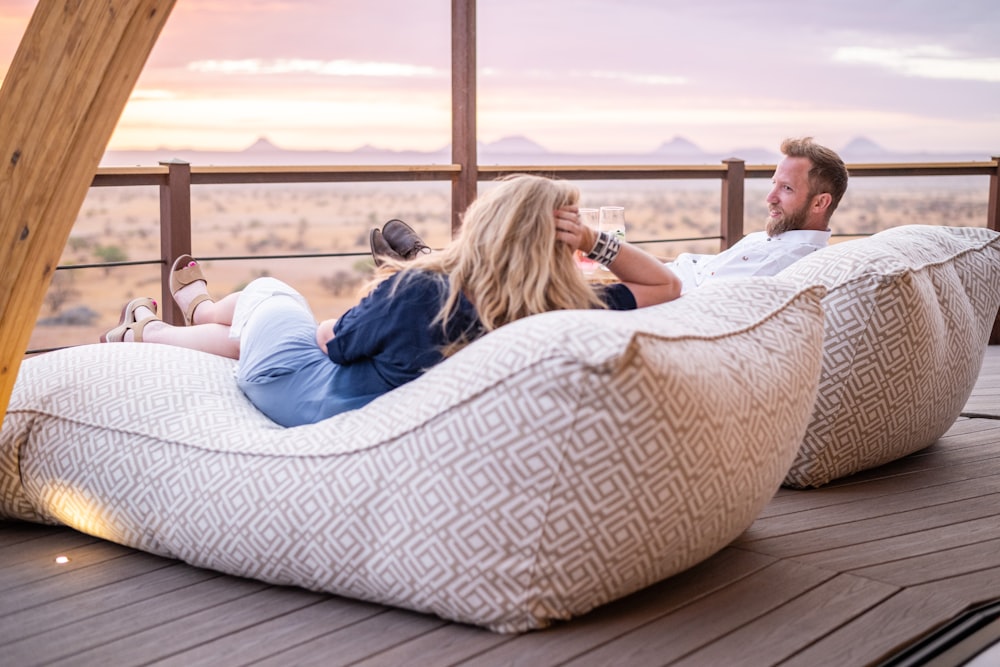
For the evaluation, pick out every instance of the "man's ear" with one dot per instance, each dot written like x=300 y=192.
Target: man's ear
x=821 y=202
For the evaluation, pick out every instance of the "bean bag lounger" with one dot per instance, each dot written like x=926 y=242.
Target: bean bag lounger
x=557 y=464
x=908 y=315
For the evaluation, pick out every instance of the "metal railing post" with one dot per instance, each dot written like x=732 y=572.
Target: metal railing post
x=733 y=196
x=463 y=108
x=175 y=231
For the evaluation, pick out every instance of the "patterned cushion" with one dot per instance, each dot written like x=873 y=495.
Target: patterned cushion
x=557 y=464
x=908 y=315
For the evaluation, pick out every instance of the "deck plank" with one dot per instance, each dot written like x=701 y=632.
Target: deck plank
x=704 y=621
x=855 y=522
x=348 y=645
x=81 y=576
x=792 y=627
x=146 y=626
x=901 y=619
x=278 y=634
x=197 y=626
x=939 y=564
x=34 y=616
x=568 y=640
x=961 y=469
x=447 y=645
x=43 y=548
x=873 y=636
x=855 y=557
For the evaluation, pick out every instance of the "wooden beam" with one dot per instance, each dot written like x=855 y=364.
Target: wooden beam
x=463 y=108
x=61 y=99
x=733 y=185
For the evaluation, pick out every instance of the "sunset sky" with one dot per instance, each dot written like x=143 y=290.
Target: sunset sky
x=573 y=75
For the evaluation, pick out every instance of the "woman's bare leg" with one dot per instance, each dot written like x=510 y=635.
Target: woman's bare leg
x=210 y=337
x=208 y=311
x=216 y=312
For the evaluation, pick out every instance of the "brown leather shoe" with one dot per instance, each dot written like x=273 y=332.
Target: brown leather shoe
x=403 y=240
x=380 y=248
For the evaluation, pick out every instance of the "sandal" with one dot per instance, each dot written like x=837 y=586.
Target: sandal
x=184 y=272
x=127 y=321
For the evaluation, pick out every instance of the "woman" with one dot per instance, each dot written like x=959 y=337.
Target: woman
x=513 y=258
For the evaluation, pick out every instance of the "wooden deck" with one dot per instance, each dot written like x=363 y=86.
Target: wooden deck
x=843 y=575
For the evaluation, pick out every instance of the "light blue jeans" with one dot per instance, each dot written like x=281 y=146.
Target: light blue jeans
x=284 y=372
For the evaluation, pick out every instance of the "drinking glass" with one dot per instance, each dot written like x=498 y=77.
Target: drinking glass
x=612 y=220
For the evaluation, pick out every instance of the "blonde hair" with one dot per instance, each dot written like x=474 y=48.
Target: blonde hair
x=506 y=260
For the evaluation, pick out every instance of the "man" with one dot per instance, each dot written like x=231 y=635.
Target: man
x=807 y=186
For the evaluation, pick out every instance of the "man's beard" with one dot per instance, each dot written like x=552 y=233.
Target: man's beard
x=788 y=221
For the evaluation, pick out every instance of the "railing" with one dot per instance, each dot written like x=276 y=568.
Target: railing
x=175 y=179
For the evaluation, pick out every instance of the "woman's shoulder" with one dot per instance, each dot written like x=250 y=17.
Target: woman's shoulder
x=415 y=285
x=418 y=279
x=616 y=296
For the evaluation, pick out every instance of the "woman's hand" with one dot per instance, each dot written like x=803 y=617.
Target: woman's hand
x=649 y=279
x=571 y=231
x=324 y=333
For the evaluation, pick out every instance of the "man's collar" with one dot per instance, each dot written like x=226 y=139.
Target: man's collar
x=805 y=236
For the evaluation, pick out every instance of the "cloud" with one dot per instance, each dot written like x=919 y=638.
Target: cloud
x=151 y=94
x=342 y=68
x=580 y=74
x=929 y=62
x=641 y=79
x=548 y=76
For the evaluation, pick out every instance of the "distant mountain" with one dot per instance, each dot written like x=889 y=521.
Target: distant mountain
x=678 y=146
x=262 y=145
x=516 y=144
x=863 y=147
x=515 y=149
x=369 y=149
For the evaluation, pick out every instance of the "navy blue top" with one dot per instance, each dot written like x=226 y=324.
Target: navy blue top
x=391 y=331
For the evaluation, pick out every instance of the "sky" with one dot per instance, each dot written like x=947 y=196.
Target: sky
x=576 y=76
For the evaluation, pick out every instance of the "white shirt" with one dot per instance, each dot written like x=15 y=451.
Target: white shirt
x=756 y=254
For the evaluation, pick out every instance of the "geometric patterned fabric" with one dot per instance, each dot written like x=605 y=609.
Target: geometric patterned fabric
x=908 y=315
x=559 y=463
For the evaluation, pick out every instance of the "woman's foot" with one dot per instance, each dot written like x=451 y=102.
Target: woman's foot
x=136 y=314
x=188 y=286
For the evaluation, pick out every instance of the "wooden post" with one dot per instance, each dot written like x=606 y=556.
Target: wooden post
x=61 y=99
x=463 y=108
x=175 y=231
x=733 y=188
